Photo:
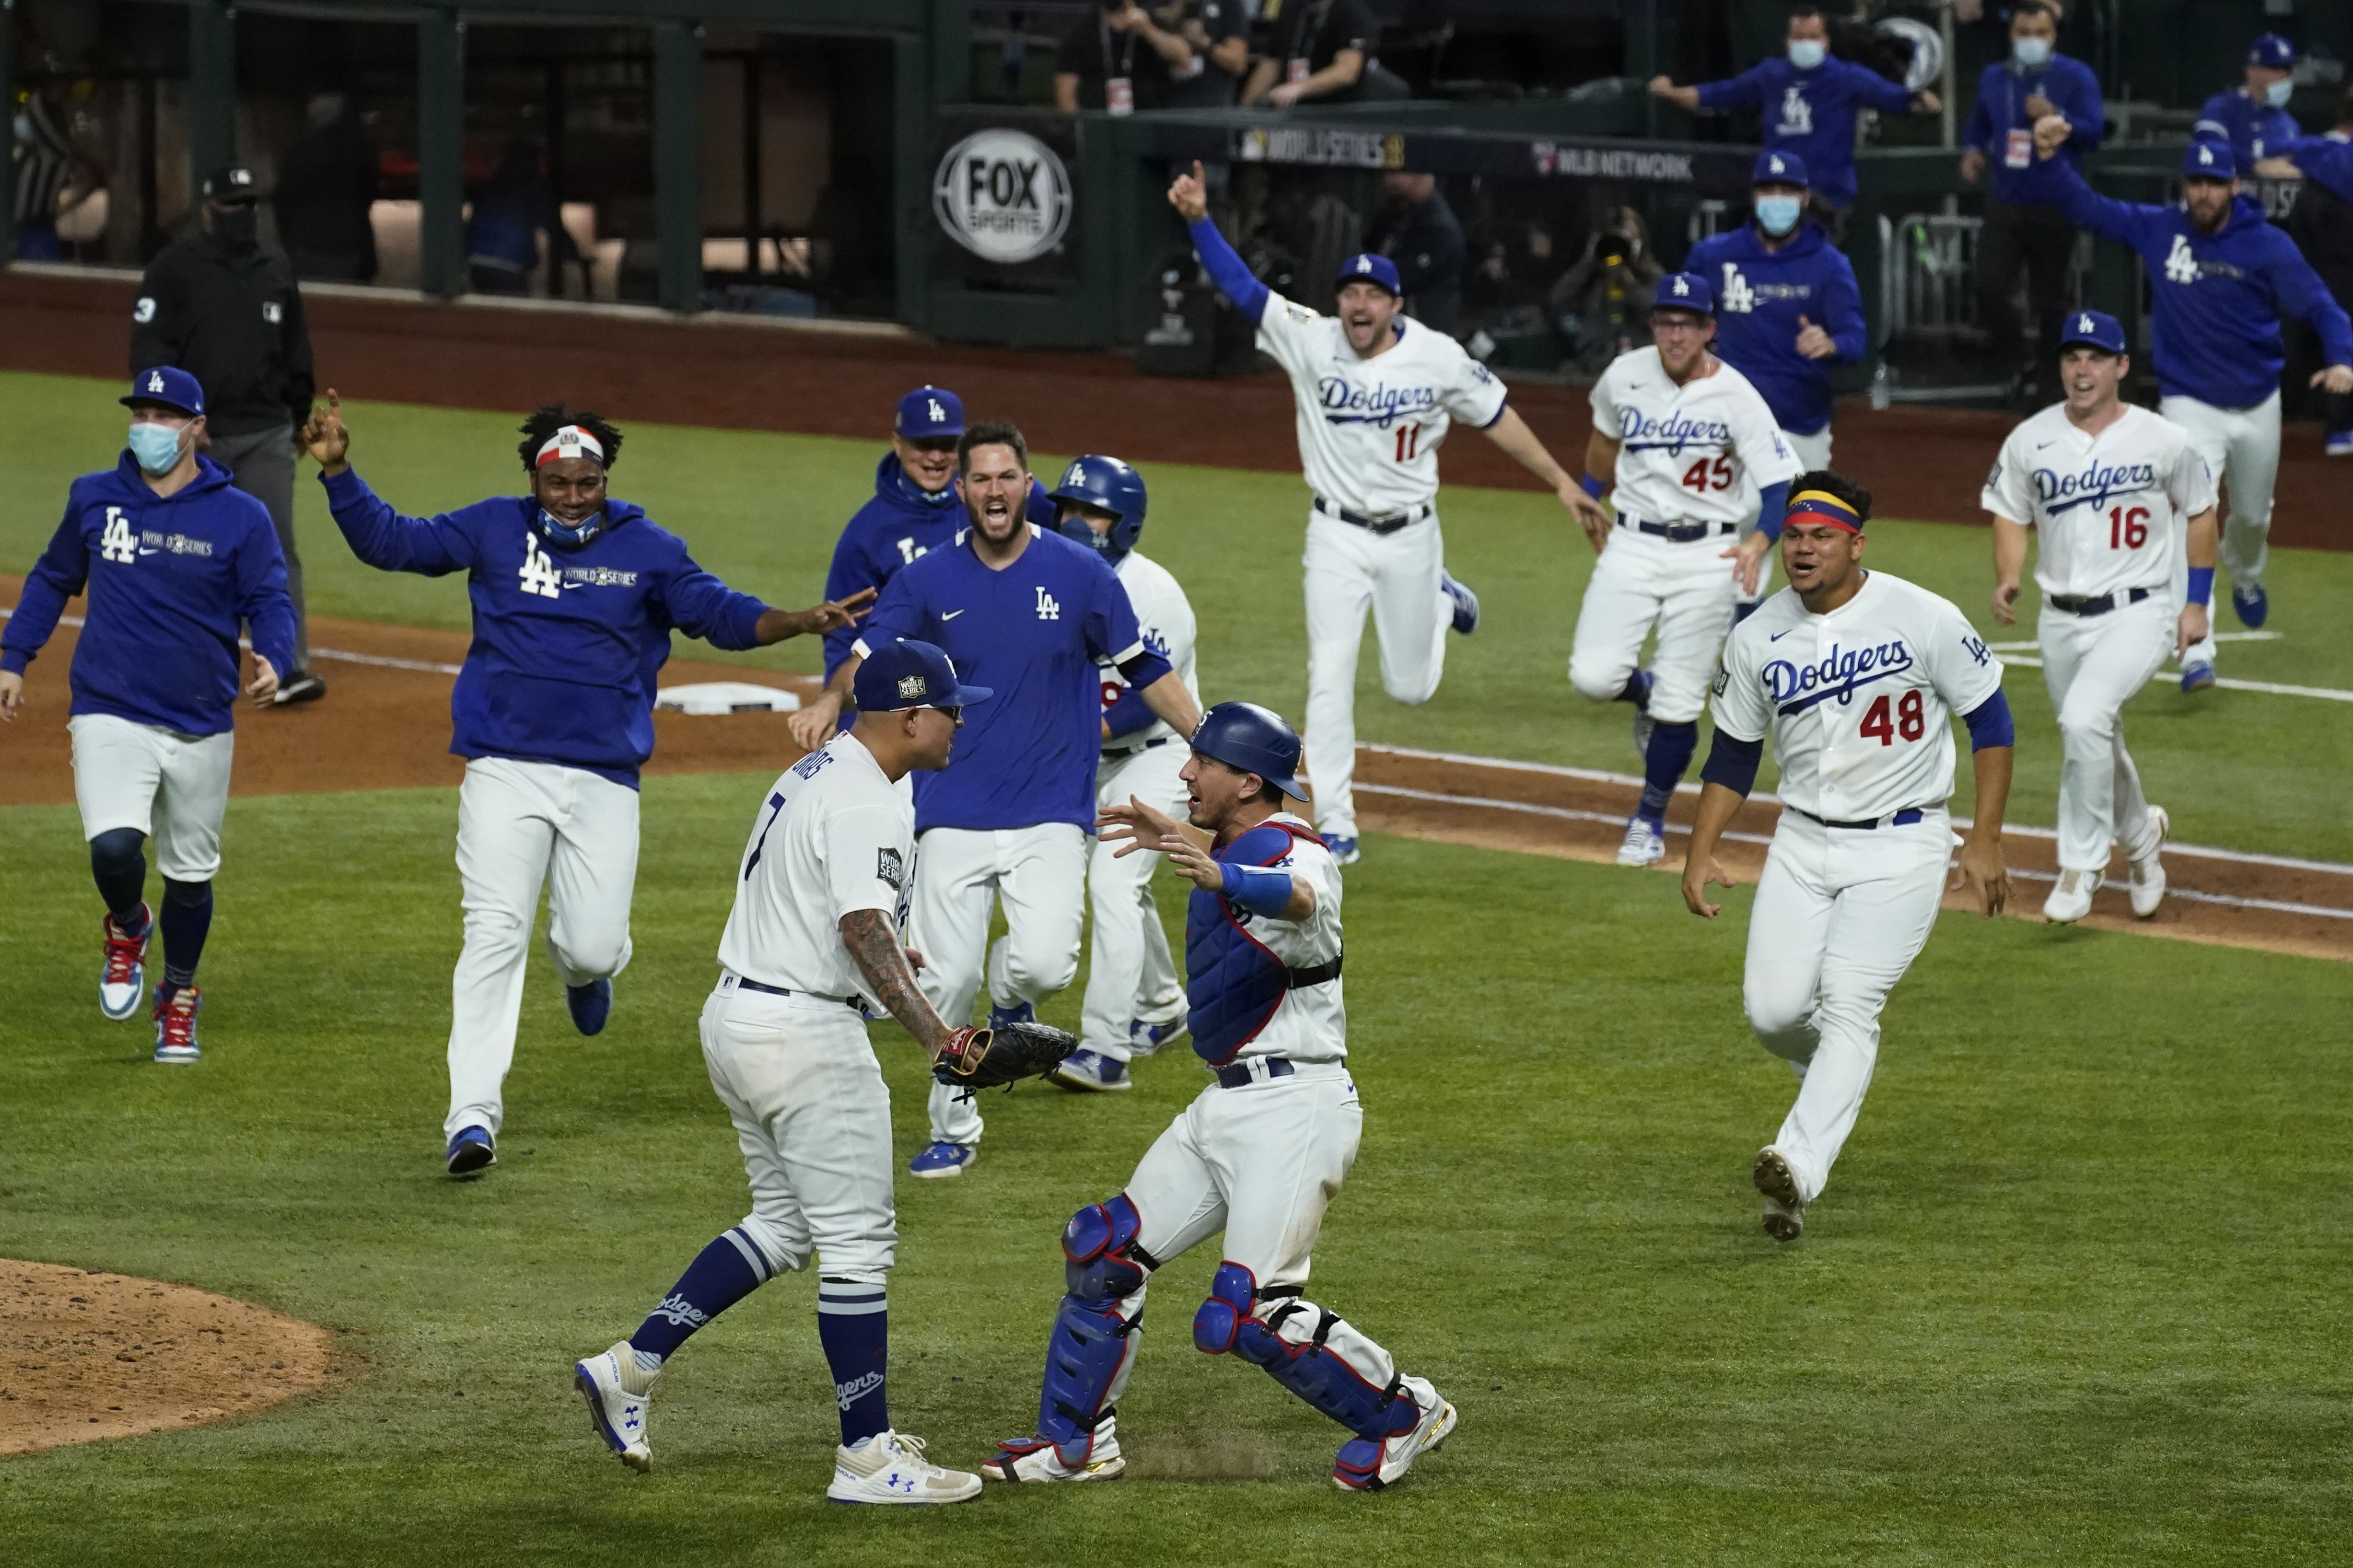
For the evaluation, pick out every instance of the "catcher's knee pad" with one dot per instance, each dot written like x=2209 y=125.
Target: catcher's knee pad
x=1101 y=1258
x=1292 y=1342
x=1233 y=1292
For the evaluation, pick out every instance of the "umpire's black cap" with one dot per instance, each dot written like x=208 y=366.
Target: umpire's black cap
x=232 y=186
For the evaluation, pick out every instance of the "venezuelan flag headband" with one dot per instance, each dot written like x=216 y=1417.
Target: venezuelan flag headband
x=1820 y=507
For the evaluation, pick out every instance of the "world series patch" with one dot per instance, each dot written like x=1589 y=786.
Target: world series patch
x=891 y=868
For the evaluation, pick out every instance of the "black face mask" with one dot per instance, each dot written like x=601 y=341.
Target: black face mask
x=234 y=227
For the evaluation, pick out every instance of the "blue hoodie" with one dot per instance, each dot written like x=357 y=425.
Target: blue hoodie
x=2253 y=130
x=2216 y=299
x=1810 y=112
x=170 y=578
x=1761 y=294
x=2001 y=113
x=568 y=642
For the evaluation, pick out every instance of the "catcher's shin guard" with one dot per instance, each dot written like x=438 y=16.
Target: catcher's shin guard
x=1311 y=1352
x=1095 y=1340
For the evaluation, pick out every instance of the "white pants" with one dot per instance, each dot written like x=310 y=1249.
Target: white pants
x=1351 y=570
x=2240 y=446
x=1041 y=873
x=1131 y=973
x=519 y=824
x=1840 y=913
x=1687 y=591
x=813 y=1117
x=170 y=787
x=2093 y=665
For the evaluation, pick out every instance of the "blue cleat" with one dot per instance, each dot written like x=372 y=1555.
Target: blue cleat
x=1344 y=849
x=1019 y=1013
x=1466 y=603
x=2197 y=676
x=1145 y=1038
x=1091 y=1072
x=471 y=1151
x=2254 y=606
x=942 y=1159
x=590 y=1004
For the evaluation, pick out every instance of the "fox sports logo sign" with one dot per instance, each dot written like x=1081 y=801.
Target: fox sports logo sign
x=1004 y=196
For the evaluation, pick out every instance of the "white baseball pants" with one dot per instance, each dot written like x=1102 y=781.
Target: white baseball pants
x=2240 y=446
x=519 y=824
x=1041 y=873
x=1840 y=913
x=813 y=1117
x=2093 y=665
x=1131 y=974
x=1350 y=571
x=170 y=787
x=1686 y=591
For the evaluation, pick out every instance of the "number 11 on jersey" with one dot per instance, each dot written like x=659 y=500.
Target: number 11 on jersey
x=1408 y=443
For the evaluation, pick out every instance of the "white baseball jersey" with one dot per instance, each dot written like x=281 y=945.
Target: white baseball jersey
x=833 y=835
x=1369 y=429
x=1860 y=700
x=2113 y=508
x=1684 y=452
x=1164 y=618
x=1310 y=1024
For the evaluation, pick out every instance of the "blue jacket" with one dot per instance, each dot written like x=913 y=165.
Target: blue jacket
x=2253 y=130
x=1810 y=112
x=2325 y=161
x=568 y=642
x=2217 y=298
x=170 y=578
x=1761 y=294
x=2002 y=92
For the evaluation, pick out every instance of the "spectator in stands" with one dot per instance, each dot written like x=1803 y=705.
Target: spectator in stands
x=509 y=214
x=1602 y=306
x=326 y=184
x=1417 y=230
x=1218 y=34
x=51 y=179
x=1119 y=61
x=1322 y=52
x=2253 y=117
x=1808 y=101
x=2321 y=223
x=2023 y=225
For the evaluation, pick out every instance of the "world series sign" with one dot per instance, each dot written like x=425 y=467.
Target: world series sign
x=1004 y=196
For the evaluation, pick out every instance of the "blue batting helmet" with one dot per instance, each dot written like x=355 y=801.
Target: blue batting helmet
x=1254 y=739
x=1112 y=486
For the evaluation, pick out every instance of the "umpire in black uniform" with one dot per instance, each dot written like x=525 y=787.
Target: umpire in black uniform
x=223 y=309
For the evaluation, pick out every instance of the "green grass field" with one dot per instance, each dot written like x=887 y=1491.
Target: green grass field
x=2076 y=1293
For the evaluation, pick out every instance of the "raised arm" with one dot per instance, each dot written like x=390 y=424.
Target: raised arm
x=2083 y=207
x=1227 y=269
x=378 y=535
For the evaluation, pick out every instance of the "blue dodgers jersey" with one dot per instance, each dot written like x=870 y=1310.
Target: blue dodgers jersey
x=170 y=579
x=1031 y=634
x=1810 y=112
x=568 y=643
x=1761 y=294
x=2253 y=130
x=2002 y=91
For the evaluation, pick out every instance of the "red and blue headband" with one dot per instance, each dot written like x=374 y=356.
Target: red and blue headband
x=1820 y=506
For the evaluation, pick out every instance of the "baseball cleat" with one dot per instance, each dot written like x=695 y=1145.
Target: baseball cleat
x=1019 y=1013
x=1785 y=1210
x=590 y=1004
x=1645 y=843
x=1343 y=846
x=620 y=1394
x=1092 y=1070
x=2146 y=882
x=123 y=978
x=943 y=1159
x=1466 y=603
x=1037 y=1459
x=1144 y=1038
x=300 y=686
x=889 y=1468
x=2197 y=675
x=2071 y=897
x=2337 y=444
x=471 y=1151
x=1366 y=1464
x=175 y=1025
x=2253 y=605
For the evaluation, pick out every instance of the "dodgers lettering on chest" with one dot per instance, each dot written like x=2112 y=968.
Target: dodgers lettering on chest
x=1838 y=672
x=543 y=576
x=1671 y=430
x=2091 y=485
x=1349 y=402
x=120 y=542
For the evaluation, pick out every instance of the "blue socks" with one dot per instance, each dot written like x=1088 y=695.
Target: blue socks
x=1671 y=746
x=1638 y=691
x=719 y=1276
x=853 y=1322
x=187 y=918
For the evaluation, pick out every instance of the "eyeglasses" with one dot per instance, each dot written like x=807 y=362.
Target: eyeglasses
x=930 y=443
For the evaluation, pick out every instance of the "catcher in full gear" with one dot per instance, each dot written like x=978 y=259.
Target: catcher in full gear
x=1258 y=1155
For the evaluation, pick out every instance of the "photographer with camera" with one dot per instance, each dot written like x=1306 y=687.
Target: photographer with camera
x=1098 y=64
x=1602 y=306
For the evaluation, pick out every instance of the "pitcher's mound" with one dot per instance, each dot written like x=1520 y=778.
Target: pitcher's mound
x=85 y=1356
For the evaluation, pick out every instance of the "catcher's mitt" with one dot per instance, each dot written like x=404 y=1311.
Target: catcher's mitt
x=984 y=1058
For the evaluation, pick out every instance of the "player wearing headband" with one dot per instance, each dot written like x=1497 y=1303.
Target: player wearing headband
x=574 y=596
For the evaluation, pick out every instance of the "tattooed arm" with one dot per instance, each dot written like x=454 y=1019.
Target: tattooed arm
x=873 y=941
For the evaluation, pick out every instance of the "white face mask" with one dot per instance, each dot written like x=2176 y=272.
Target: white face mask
x=2279 y=92
x=1807 y=53
x=2032 y=54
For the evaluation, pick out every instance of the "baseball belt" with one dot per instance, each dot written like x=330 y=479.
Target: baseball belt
x=1904 y=818
x=1241 y=1075
x=1121 y=753
x=1390 y=524
x=2076 y=604
x=1677 y=532
x=855 y=1003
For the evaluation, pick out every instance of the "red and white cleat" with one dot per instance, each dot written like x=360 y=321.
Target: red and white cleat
x=175 y=1026
x=122 y=982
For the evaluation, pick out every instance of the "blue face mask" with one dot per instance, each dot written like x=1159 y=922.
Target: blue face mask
x=563 y=534
x=155 y=448
x=2032 y=54
x=1776 y=215
x=1807 y=53
x=2279 y=92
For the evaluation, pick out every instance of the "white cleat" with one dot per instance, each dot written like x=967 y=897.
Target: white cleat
x=1643 y=844
x=618 y=1395
x=2071 y=897
x=1366 y=1466
x=889 y=1468
x=1037 y=1459
x=1785 y=1210
x=2146 y=884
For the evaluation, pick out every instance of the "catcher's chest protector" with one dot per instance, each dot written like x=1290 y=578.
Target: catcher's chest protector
x=1236 y=983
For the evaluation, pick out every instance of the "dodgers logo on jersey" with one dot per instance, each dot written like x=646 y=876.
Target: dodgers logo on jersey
x=2063 y=492
x=1670 y=432
x=1837 y=674
x=1796 y=114
x=1379 y=404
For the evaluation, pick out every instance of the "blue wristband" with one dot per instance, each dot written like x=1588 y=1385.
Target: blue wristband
x=1592 y=486
x=2201 y=584
x=1261 y=890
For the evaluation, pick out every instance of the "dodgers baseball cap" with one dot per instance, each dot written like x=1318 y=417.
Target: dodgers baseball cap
x=169 y=386
x=2271 y=51
x=930 y=411
x=2207 y=159
x=2096 y=328
x=909 y=674
x=1778 y=169
x=1685 y=291
x=1368 y=268
x=232 y=186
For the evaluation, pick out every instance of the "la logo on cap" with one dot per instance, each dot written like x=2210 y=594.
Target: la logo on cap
x=1776 y=165
x=2084 y=324
x=939 y=414
x=912 y=686
x=155 y=381
x=1682 y=287
x=1363 y=264
x=2205 y=154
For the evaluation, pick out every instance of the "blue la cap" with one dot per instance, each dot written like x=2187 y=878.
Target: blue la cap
x=1685 y=291
x=910 y=674
x=169 y=386
x=1368 y=268
x=930 y=411
x=2096 y=328
x=2207 y=159
x=2271 y=51
x=1778 y=169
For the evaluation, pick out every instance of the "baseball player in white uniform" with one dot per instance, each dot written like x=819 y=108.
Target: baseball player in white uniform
x=1258 y=1155
x=2124 y=505
x=1134 y=1003
x=812 y=941
x=1688 y=442
x=1376 y=394
x=1857 y=675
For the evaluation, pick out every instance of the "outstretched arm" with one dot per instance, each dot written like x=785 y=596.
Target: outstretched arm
x=1232 y=275
x=874 y=946
x=1511 y=434
x=377 y=534
x=1168 y=698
